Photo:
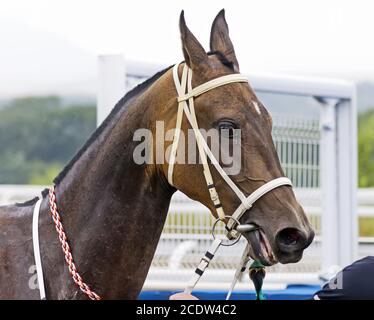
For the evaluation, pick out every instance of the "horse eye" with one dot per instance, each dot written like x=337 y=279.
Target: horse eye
x=227 y=129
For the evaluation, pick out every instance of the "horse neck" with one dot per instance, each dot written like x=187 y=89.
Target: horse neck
x=112 y=209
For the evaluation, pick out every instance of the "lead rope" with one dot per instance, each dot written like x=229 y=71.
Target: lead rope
x=201 y=267
x=256 y=271
x=66 y=248
x=240 y=270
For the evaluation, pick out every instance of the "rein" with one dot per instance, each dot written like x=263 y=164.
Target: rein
x=234 y=228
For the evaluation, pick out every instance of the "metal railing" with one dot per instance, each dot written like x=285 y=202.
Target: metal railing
x=315 y=153
x=318 y=154
x=186 y=236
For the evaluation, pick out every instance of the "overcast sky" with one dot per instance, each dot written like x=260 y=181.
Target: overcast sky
x=51 y=46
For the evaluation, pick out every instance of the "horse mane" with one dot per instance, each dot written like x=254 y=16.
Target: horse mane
x=28 y=202
x=121 y=103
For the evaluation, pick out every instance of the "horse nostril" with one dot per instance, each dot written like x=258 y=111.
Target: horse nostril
x=290 y=236
x=291 y=239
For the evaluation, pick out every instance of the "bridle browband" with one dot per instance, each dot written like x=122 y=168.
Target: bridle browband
x=186 y=95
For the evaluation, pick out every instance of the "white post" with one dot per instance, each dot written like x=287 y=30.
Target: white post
x=328 y=184
x=339 y=182
x=347 y=183
x=111 y=84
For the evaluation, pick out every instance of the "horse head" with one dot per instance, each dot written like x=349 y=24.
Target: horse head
x=234 y=111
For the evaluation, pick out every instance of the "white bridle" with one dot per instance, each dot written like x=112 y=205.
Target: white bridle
x=186 y=95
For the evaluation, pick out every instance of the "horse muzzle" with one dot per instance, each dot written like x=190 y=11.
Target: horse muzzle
x=291 y=242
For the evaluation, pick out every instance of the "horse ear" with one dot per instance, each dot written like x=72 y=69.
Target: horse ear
x=193 y=51
x=220 y=39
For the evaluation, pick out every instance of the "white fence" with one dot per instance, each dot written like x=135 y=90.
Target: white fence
x=186 y=236
x=314 y=153
x=318 y=154
x=309 y=198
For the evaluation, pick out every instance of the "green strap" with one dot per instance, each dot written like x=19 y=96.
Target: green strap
x=256 y=264
x=257 y=275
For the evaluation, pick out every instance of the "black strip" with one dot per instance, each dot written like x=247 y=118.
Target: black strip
x=209 y=255
x=199 y=271
x=211 y=186
x=218 y=206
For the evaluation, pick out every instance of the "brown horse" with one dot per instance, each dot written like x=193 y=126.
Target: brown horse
x=113 y=209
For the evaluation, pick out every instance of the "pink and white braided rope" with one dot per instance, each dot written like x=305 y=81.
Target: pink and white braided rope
x=66 y=248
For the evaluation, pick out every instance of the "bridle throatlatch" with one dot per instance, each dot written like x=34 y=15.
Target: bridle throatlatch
x=186 y=95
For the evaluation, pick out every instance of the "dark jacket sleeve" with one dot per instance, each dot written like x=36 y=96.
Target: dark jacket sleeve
x=355 y=281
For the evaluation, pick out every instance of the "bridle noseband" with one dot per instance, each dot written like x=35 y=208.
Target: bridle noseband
x=186 y=95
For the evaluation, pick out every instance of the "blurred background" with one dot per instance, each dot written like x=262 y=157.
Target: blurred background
x=48 y=64
x=49 y=78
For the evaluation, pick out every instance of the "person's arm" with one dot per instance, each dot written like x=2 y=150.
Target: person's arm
x=182 y=296
x=355 y=281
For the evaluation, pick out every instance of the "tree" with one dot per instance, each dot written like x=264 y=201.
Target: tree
x=38 y=136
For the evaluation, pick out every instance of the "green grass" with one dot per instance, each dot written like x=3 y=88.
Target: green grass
x=366 y=227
